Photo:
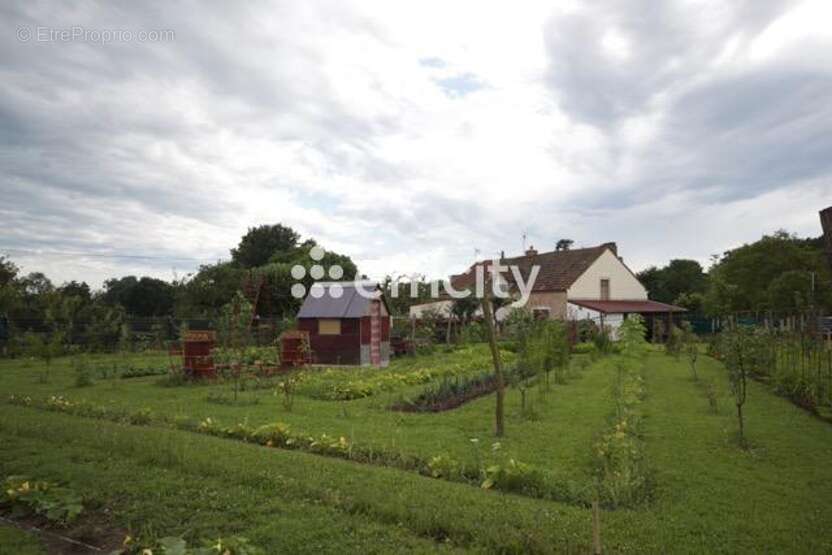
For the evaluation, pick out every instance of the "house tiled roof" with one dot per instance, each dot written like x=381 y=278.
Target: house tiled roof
x=558 y=269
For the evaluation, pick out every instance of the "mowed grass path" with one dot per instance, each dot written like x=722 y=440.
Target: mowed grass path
x=559 y=439
x=161 y=481
x=713 y=496
x=710 y=495
x=14 y=541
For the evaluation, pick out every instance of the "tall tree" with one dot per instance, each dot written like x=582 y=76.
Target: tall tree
x=9 y=286
x=8 y=271
x=261 y=243
x=765 y=275
x=679 y=277
x=564 y=244
x=144 y=296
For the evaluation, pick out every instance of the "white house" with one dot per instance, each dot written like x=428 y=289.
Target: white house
x=589 y=283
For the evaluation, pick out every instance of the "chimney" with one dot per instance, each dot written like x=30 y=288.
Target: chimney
x=612 y=246
x=531 y=251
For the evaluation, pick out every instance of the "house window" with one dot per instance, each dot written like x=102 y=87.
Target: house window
x=605 y=289
x=329 y=327
x=540 y=313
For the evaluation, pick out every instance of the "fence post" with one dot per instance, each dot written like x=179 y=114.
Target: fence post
x=596 y=528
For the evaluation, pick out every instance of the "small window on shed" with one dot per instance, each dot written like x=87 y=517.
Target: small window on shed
x=329 y=327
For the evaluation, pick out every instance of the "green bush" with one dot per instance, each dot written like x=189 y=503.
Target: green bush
x=141 y=417
x=56 y=503
x=514 y=476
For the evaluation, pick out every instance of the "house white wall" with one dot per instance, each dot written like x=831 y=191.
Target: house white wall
x=443 y=308
x=623 y=284
x=611 y=321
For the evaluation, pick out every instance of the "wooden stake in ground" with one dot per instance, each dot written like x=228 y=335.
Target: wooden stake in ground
x=596 y=528
x=488 y=315
x=826 y=223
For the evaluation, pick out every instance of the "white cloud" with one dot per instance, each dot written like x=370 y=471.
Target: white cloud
x=407 y=135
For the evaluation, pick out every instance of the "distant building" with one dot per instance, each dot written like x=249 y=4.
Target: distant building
x=346 y=327
x=590 y=283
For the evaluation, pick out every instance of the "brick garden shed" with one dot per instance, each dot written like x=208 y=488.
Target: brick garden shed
x=350 y=328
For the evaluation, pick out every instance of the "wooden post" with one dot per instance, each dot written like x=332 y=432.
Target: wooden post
x=826 y=223
x=488 y=315
x=596 y=528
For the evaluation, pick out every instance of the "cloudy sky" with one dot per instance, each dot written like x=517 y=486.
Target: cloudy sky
x=407 y=135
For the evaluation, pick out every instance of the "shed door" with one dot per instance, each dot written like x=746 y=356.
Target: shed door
x=375 y=333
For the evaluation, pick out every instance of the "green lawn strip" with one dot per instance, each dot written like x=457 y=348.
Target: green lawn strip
x=711 y=494
x=559 y=442
x=431 y=508
x=155 y=494
x=14 y=541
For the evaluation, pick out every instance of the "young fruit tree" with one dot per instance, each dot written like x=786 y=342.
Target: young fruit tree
x=488 y=316
x=743 y=354
x=691 y=350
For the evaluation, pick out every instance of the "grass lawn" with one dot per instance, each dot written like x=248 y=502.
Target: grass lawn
x=709 y=496
x=15 y=541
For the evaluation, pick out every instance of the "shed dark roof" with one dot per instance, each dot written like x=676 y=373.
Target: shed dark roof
x=627 y=307
x=558 y=269
x=351 y=303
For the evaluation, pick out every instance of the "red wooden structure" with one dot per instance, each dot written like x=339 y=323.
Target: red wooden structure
x=294 y=348
x=254 y=290
x=197 y=359
x=401 y=345
x=347 y=325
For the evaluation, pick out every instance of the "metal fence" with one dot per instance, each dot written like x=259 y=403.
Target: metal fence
x=132 y=333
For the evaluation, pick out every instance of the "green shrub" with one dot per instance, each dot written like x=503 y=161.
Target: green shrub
x=514 y=476
x=675 y=342
x=443 y=466
x=141 y=417
x=273 y=435
x=83 y=373
x=583 y=348
x=55 y=503
x=712 y=394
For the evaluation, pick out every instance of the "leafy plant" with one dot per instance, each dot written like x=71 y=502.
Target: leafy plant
x=141 y=417
x=46 y=350
x=544 y=349
x=712 y=394
x=513 y=475
x=52 y=501
x=691 y=349
x=744 y=350
x=675 y=342
x=175 y=545
x=443 y=466
x=287 y=388
x=83 y=372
